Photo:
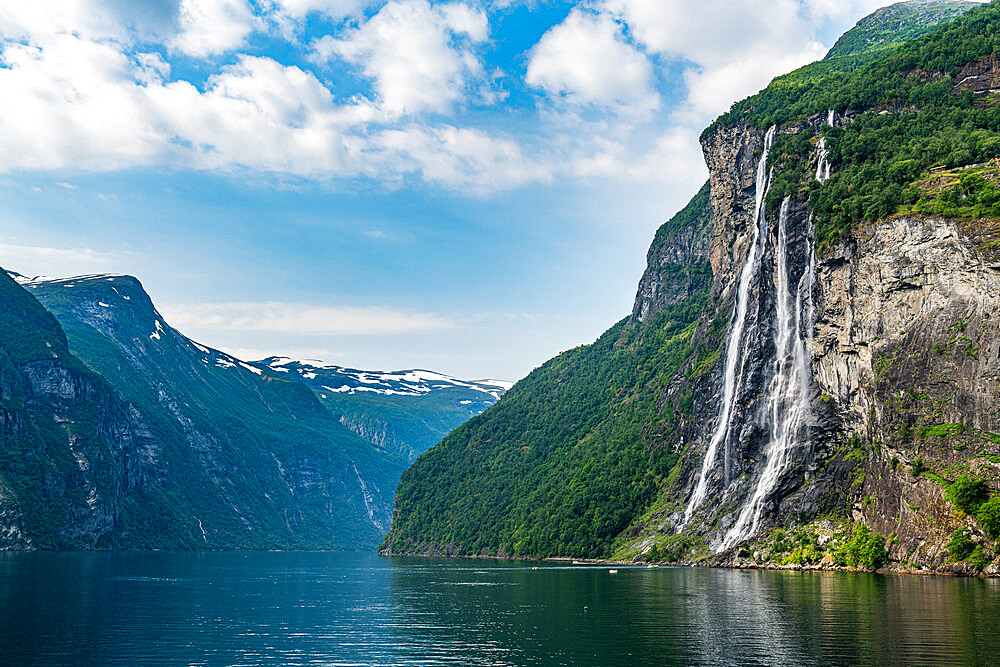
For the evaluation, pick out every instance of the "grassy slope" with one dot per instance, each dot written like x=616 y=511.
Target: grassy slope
x=568 y=457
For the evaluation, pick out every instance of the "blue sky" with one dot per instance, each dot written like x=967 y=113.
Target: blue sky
x=465 y=186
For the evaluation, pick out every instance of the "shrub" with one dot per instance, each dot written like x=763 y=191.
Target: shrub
x=864 y=549
x=979 y=559
x=989 y=517
x=917 y=466
x=968 y=493
x=960 y=546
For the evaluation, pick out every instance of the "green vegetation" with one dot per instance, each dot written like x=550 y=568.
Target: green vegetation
x=567 y=459
x=968 y=192
x=989 y=517
x=960 y=546
x=968 y=493
x=209 y=446
x=890 y=26
x=862 y=548
x=909 y=120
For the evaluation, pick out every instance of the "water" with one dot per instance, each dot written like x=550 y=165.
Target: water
x=359 y=609
x=735 y=352
x=788 y=392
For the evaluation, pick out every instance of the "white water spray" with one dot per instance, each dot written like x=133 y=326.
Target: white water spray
x=823 y=153
x=735 y=353
x=788 y=406
x=822 y=163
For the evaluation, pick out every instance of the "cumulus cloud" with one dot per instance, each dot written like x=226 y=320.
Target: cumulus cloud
x=88 y=84
x=300 y=318
x=210 y=27
x=418 y=55
x=587 y=60
x=85 y=104
x=333 y=8
x=734 y=47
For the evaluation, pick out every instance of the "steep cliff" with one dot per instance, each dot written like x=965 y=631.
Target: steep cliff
x=71 y=448
x=834 y=395
x=232 y=457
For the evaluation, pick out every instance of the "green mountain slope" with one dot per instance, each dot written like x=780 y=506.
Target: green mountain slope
x=591 y=454
x=238 y=458
x=565 y=460
x=895 y=24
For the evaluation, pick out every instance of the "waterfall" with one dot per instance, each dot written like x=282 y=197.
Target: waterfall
x=822 y=163
x=788 y=392
x=823 y=153
x=735 y=353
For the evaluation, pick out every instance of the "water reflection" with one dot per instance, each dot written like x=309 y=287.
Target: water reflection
x=341 y=609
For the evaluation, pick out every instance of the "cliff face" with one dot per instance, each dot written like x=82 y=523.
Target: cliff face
x=811 y=362
x=71 y=447
x=908 y=351
x=903 y=371
x=190 y=448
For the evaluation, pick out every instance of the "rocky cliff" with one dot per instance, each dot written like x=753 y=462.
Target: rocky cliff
x=199 y=450
x=72 y=448
x=831 y=392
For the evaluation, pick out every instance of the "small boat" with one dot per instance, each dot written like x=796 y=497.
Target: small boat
x=612 y=571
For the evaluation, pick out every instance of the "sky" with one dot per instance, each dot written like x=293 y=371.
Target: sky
x=466 y=186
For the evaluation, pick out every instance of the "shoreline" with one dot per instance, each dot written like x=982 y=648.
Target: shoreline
x=721 y=566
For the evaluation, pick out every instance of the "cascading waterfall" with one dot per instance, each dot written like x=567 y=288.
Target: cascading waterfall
x=822 y=163
x=823 y=153
x=788 y=393
x=735 y=353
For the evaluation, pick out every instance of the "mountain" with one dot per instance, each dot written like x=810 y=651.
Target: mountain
x=72 y=450
x=211 y=452
x=810 y=373
x=404 y=412
x=890 y=26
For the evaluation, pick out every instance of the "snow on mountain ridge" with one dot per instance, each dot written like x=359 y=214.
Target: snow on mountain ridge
x=411 y=382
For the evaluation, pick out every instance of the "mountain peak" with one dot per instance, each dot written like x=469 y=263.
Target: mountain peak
x=898 y=23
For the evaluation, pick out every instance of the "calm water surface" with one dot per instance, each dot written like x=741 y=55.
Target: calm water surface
x=360 y=609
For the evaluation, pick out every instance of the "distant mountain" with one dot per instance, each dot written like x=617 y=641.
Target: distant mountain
x=232 y=456
x=208 y=451
x=404 y=412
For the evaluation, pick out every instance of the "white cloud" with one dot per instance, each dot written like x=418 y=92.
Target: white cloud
x=419 y=56
x=86 y=105
x=734 y=47
x=468 y=159
x=333 y=8
x=40 y=18
x=673 y=157
x=37 y=260
x=211 y=27
x=586 y=59
x=301 y=319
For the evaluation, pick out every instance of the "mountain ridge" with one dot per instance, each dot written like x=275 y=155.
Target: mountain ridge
x=755 y=485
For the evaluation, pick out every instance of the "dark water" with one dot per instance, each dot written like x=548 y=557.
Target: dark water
x=359 y=609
